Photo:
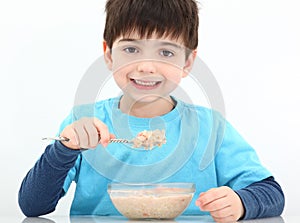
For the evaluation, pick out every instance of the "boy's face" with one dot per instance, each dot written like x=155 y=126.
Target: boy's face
x=148 y=69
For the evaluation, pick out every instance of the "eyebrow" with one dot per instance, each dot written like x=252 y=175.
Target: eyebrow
x=127 y=40
x=161 y=43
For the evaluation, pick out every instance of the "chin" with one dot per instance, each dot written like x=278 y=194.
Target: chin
x=148 y=98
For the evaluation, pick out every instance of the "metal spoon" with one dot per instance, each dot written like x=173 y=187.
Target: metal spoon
x=149 y=139
x=65 y=139
x=126 y=141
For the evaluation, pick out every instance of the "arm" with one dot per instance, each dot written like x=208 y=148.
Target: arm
x=246 y=189
x=42 y=187
x=262 y=199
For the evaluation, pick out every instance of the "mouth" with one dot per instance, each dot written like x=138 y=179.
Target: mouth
x=145 y=84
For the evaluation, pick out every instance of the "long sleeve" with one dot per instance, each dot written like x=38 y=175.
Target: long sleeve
x=42 y=187
x=262 y=199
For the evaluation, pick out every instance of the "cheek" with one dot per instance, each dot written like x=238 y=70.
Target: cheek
x=122 y=62
x=120 y=75
x=173 y=75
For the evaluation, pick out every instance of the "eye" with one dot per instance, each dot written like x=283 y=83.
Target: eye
x=166 y=53
x=131 y=50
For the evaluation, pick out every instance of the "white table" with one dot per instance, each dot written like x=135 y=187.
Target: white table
x=111 y=219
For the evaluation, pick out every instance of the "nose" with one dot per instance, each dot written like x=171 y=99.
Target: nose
x=146 y=66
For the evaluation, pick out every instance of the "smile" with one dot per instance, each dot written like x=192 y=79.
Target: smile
x=143 y=83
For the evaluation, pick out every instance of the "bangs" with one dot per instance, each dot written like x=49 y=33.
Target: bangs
x=145 y=21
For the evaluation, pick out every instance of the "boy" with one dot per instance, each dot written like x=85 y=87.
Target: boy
x=149 y=46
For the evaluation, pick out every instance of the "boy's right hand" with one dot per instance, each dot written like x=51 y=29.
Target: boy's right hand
x=86 y=133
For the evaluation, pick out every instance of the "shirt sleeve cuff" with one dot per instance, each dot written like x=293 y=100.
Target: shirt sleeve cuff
x=61 y=157
x=250 y=204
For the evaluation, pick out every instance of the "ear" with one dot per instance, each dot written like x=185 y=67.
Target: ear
x=189 y=63
x=107 y=56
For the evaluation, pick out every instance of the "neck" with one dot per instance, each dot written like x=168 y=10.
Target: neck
x=142 y=109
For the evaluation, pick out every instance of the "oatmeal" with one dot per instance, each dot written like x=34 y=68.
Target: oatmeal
x=149 y=139
x=151 y=206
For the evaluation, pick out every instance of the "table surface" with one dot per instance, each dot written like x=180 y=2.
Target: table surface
x=116 y=219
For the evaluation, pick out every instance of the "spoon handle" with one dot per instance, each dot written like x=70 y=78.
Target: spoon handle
x=65 y=139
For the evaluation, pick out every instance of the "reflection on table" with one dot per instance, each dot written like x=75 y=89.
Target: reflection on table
x=38 y=220
x=113 y=219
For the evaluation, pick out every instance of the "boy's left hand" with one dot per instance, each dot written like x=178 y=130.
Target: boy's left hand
x=223 y=204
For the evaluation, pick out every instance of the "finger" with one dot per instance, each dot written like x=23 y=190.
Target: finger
x=73 y=141
x=103 y=131
x=82 y=136
x=112 y=136
x=223 y=212
x=216 y=205
x=211 y=195
x=92 y=133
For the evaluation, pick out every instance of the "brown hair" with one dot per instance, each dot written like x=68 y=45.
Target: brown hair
x=172 y=18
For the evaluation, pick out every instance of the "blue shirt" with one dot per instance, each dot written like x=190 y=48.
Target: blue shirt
x=201 y=148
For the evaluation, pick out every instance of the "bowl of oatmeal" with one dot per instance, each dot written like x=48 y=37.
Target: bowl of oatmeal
x=151 y=201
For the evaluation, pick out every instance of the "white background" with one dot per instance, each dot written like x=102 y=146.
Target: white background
x=251 y=46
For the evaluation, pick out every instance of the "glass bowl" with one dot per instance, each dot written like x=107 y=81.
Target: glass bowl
x=151 y=201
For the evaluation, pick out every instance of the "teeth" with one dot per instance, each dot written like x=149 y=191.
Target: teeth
x=148 y=83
